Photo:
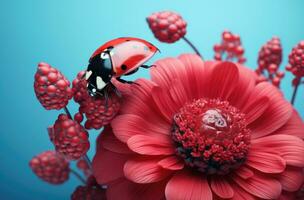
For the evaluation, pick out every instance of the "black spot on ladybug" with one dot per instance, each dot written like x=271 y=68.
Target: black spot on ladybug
x=123 y=67
x=127 y=40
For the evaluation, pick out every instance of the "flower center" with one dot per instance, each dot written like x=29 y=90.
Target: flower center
x=211 y=136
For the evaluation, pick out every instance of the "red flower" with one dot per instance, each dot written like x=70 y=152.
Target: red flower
x=202 y=131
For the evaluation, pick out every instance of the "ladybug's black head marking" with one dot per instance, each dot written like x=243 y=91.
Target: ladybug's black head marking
x=99 y=72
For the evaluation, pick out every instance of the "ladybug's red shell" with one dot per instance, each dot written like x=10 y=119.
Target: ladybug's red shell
x=127 y=54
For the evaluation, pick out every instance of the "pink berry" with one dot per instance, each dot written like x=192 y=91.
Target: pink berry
x=230 y=48
x=70 y=138
x=270 y=56
x=296 y=60
x=51 y=87
x=91 y=191
x=167 y=26
x=50 y=167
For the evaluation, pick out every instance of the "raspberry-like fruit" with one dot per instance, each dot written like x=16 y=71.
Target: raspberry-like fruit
x=51 y=87
x=97 y=110
x=296 y=60
x=70 y=138
x=167 y=26
x=270 y=55
x=91 y=191
x=230 y=48
x=50 y=167
x=269 y=60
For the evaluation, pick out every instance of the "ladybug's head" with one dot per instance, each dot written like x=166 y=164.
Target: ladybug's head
x=99 y=72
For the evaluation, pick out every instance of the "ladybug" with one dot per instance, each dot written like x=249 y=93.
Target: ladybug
x=118 y=57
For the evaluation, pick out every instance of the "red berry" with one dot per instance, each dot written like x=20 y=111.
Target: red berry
x=230 y=48
x=91 y=191
x=270 y=56
x=51 y=87
x=50 y=167
x=70 y=138
x=167 y=26
x=78 y=117
x=97 y=111
x=276 y=81
x=296 y=60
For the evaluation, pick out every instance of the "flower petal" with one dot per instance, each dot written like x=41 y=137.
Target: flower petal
x=224 y=79
x=275 y=116
x=260 y=186
x=127 y=125
x=290 y=148
x=184 y=185
x=105 y=172
x=198 y=72
x=221 y=187
x=140 y=102
x=148 y=145
x=240 y=194
x=256 y=109
x=178 y=93
x=108 y=141
x=166 y=70
x=172 y=163
x=294 y=126
x=127 y=190
x=292 y=179
x=244 y=172
x=166 y=105
x=265 y=162
x=142 y=170
x=240 y=96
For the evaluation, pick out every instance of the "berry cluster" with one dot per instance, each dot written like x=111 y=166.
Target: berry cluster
x=51 y=87
x=230 y=48
x=99 y=111
x=167 y=26
x=91 y=191
x=296 y=62
x=50 y=167
x=70 y=138
x=269 y=60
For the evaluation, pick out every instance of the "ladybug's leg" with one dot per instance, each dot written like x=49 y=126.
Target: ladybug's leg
x=131 y=72
x=147 y=66
x=125 y=81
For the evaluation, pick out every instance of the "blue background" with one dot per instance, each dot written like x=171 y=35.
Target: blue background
x=65 y=33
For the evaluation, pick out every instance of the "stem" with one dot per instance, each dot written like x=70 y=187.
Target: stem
x=77 y=176
x=192 y=46
x=87 y=159
x=68 y=112
x=295 y=90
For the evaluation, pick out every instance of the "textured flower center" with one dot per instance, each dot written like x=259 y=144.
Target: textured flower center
x=211 y=136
